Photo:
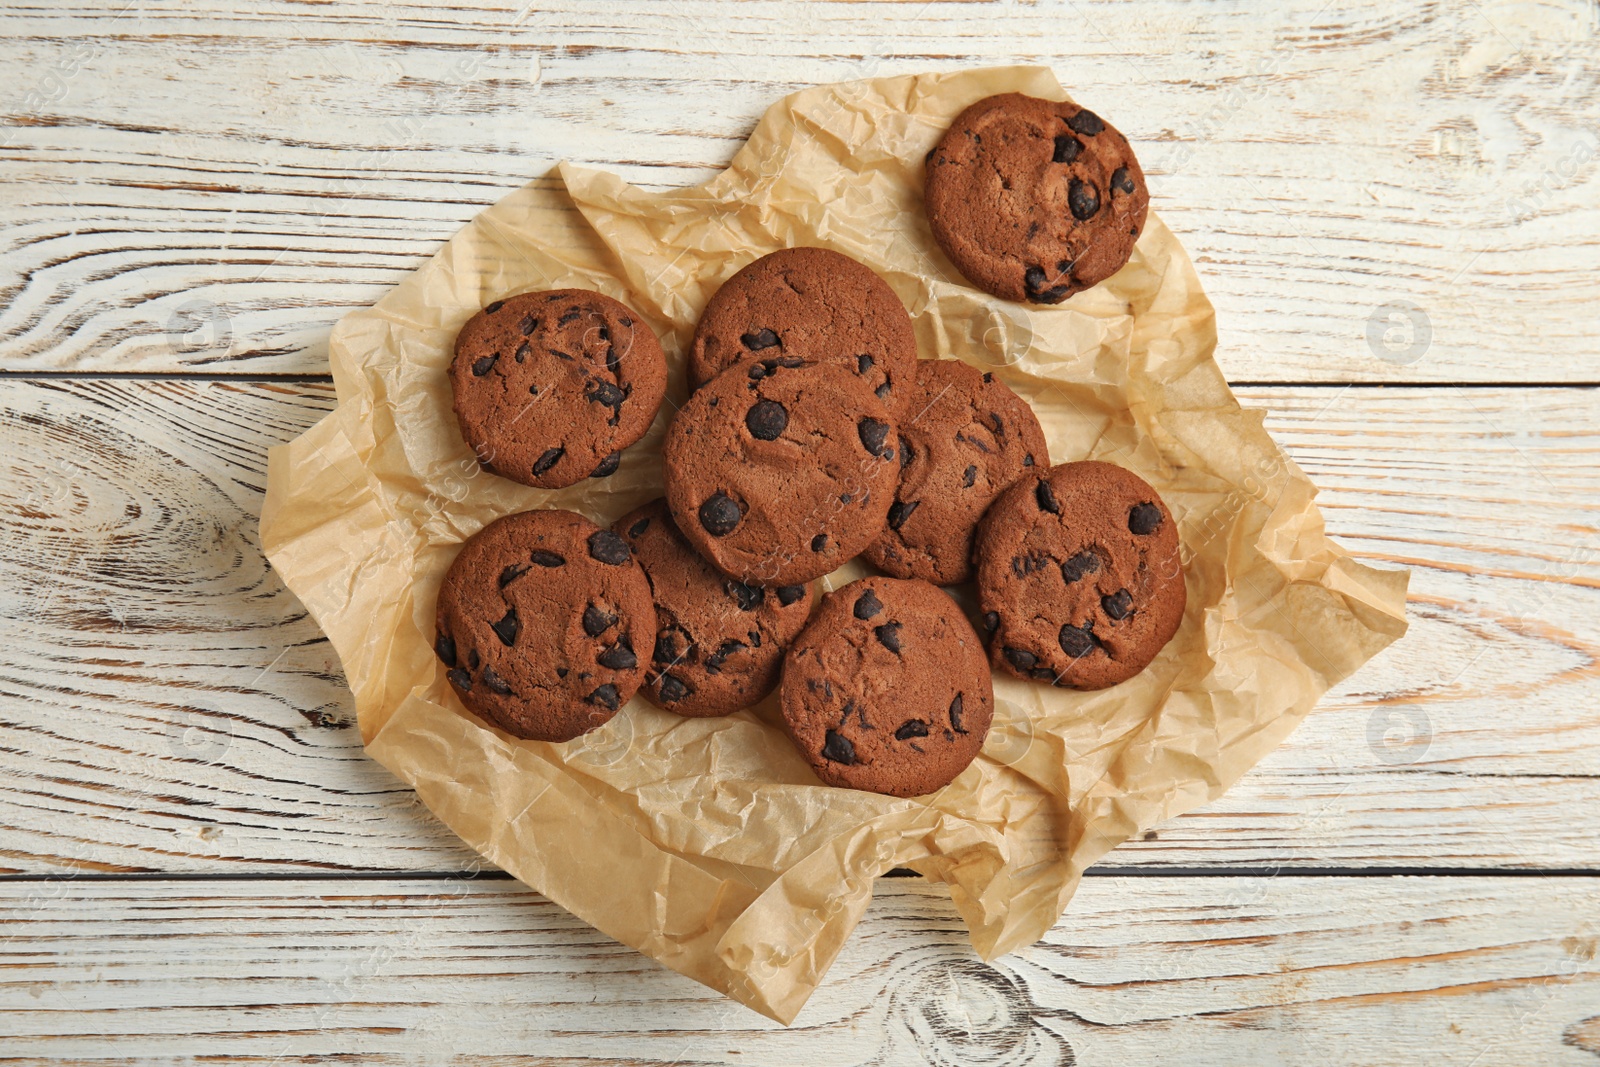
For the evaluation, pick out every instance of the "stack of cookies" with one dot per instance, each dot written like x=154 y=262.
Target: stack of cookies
x=815 y=435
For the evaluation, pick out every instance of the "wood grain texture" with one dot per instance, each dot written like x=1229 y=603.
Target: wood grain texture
x=212 y=186
x=1470 y=972
x=167 y=705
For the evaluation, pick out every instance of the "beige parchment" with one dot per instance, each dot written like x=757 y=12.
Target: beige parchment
x=707 y=843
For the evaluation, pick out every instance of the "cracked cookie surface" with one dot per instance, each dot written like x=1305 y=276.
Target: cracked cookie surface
x=888 y=689
x=813 y=304
x=1079 y=578
x=550 y=387
x=778 y=471
x=965 y=437
x=719 y=643
x=543 y=623
x=1034 y=200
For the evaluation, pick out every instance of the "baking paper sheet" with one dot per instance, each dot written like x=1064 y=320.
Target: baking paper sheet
x=707 y=843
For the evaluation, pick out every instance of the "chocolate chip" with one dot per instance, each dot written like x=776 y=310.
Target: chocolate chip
x=955 y=715
x=672 y=688
x=596 y=621
x=969 y=476
x=994 y=420
x=819 y=542
x=620 y=656
x=1076 y=642
x=757 y=372
x=759 y=339
x=766 y=420
x=496 y=306
x=1144 y=519
x=528 y=325
x=547 y=559
x=670 y=647
x=905 y=453
x=900 y=511
x=1022 y=566
x=863 y=363
x=506 y=629
x=607 y=547
x=720 y=514
x=1027 y=461
x=1046 y=498
x=911 y=728
x=483 y=366
x=845 y=498
x=561 y=672
x=872 y=434
x=1020 y=658
x=639 y=527
x=788 y=594
x=713 y=663
x=991 y=621
x=1082 y=199
x=444 y=646
x=613 y=361
x=472 y=660
x=522 y=353
x=551 y=457
x=888 y=636
x=867 y=605
x=606 y=394
x=750 y=597
x=1033 y=284
x=608 y=466
x=606 y=696
x=755 y=638
x=1118 y=604
x=460 y=679
x=1067 y=149
x=1086 y=122
x=569 y=315
x=882 y=391
x=1078 y=566
x=495 y=683
x=838 y=748
x=1120 y=182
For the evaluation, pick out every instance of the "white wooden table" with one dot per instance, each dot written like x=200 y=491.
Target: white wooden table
x=1397 y=214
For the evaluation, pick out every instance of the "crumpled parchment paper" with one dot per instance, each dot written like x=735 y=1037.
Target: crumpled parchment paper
x=707 y=843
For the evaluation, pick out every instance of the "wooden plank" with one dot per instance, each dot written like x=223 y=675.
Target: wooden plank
x=1471 y=972
x=166 y=705
x=213 y=185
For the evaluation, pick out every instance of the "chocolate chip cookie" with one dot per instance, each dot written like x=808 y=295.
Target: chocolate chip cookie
x=812 y=304
x=887 y=689
x=1034 y=199
x=965 y=437
x=719 y=643
x=778 y=471
x=542 y=623
x=551 y=387
x=1079 y=577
